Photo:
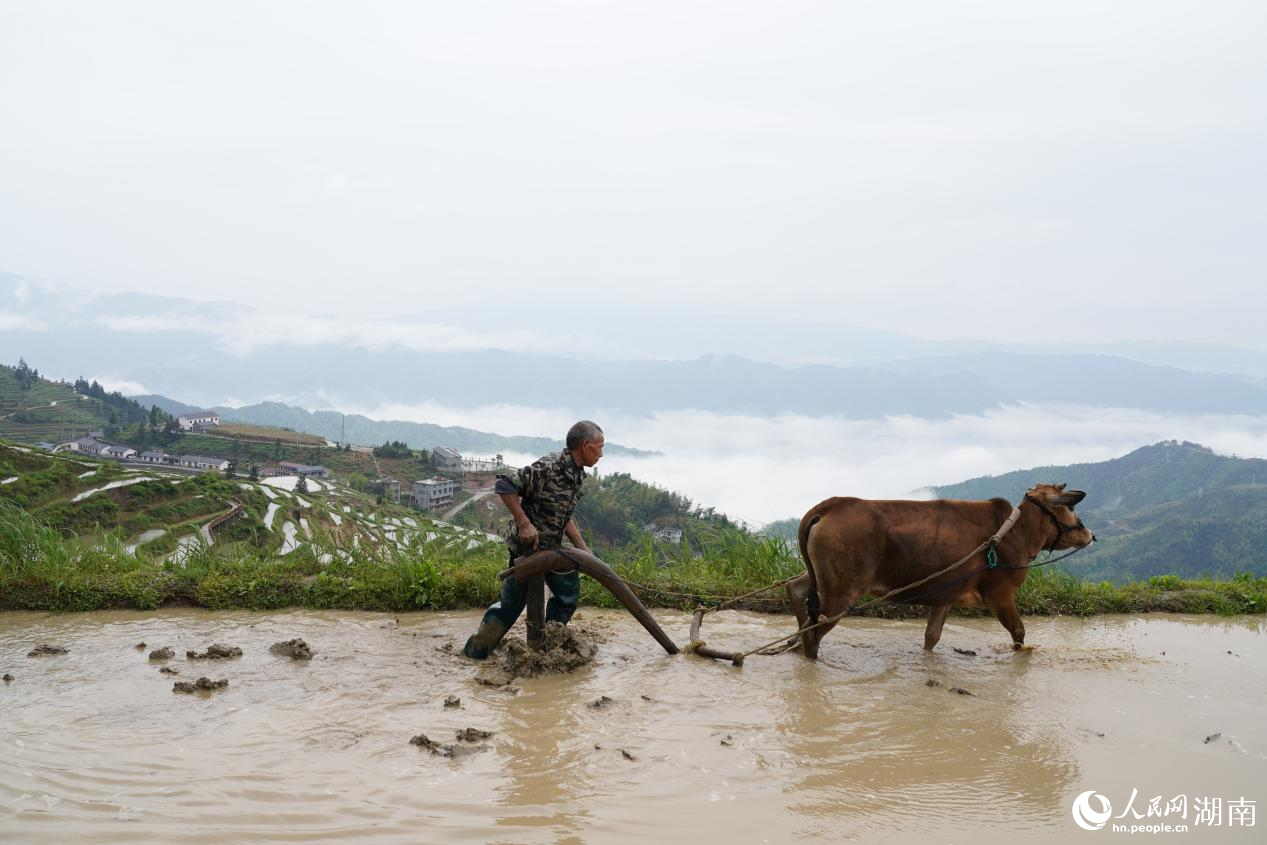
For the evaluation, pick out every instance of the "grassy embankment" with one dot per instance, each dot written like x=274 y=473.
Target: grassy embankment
x=42 y=568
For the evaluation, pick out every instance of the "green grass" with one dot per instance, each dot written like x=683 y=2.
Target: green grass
x=43 y=568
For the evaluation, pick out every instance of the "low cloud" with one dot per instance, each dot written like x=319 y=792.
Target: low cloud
x=764 y=468
x=10 y=322
x=123 y=385
x=254 y=331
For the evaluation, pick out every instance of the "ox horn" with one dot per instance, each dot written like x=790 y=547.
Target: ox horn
x=553 y=560
x=1069 y=499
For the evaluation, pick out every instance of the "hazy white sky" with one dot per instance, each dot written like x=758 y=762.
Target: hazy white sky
x=1016 y=171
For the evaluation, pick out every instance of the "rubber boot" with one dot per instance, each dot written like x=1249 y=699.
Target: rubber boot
x=483 y=641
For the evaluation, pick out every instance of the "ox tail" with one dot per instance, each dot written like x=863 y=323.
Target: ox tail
x=812 y=605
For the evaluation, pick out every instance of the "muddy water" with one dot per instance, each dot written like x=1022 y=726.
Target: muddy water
x=95 y=746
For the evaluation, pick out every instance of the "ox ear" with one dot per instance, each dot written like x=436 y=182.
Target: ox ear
x=1060 y=488
x=1069 y=499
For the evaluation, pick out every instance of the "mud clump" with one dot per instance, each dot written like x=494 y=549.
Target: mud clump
x=473 y=735
x=203 y=684
x=8 y=678
x=444 y=749
x=45 y=650
x=601 y=703
x=493 y=676
x=140 y=646
x=215 y=651
x=168 y=670
x=295 y=649
x=562 y=650
x=452 y=701
x=164 y=653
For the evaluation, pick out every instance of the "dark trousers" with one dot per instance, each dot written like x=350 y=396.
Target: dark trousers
x=565 y=592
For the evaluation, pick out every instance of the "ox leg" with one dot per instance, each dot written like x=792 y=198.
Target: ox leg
x=798 y=593
x=833 y=605
x=936 y=619
x=1011 y=619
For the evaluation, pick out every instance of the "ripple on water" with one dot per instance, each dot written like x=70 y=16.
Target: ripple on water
x=855 y=745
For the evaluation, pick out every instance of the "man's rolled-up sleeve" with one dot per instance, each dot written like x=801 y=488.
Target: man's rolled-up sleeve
x=521 y=482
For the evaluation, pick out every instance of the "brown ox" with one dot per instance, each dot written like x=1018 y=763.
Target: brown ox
x=855 y=546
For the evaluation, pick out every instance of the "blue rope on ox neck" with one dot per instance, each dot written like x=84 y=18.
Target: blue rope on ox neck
x=992 y=559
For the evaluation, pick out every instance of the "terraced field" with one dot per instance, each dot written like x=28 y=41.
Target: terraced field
x=153 y=511
x=48 y=411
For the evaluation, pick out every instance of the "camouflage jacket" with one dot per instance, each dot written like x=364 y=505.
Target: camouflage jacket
x=548 y=490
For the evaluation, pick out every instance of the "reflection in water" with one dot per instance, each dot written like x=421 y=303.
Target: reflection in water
x=858 y=746
x=546 y=782
x=884 y=750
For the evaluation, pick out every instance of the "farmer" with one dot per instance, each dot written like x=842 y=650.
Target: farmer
x=541 y=498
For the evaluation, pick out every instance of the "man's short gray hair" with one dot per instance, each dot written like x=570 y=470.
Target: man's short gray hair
x=582 y=432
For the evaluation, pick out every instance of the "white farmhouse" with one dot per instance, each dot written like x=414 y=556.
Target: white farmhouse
x=203 y=463
x=200 y=419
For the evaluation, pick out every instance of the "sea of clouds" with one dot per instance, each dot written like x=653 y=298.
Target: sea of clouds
x=759 y=469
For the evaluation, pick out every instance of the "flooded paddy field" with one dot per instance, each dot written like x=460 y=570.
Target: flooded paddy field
x=875 y=742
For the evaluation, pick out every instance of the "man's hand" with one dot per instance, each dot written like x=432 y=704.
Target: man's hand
x=526 y=531
x=528 y=535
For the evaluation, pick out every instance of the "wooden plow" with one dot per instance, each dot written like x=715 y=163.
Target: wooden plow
x=530 y=570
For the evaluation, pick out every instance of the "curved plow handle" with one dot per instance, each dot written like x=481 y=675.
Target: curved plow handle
x=553 y=560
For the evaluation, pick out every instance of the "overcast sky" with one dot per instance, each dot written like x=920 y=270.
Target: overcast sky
x=1016 y=171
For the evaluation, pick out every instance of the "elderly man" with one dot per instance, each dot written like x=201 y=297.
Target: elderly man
x=541 y=498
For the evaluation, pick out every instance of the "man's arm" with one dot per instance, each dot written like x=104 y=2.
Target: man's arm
x=574 y=534
x=527 y=531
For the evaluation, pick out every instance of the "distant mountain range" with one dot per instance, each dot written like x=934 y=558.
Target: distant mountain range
x=222 y=354
x=354 y=428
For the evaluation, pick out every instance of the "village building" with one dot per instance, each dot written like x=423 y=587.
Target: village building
x=310 y=470
x=198 y=420
x=388 y=488
x=201 y=462
x=446 y=458
x=434 y=493
x=664 y=535
x=88 y=445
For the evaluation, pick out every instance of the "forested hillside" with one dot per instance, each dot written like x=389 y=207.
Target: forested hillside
x=1169 y=508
